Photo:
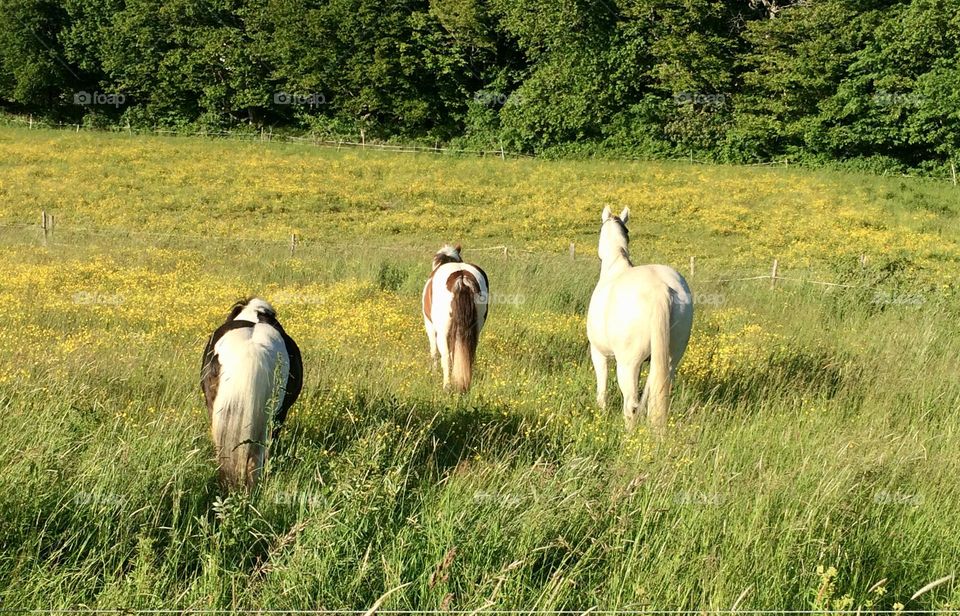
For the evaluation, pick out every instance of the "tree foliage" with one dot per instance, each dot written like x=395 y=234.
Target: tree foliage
x=875 y=81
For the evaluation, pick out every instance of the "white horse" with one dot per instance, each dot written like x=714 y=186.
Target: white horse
x=454 y=311
x=637 y=313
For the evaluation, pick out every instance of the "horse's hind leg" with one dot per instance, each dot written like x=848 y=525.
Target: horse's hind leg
x=627 y=374
x=642 y=405
x=441 y=342
x=432 y=336
x=600 y=367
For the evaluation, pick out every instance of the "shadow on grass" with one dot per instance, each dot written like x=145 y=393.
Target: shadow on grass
x=798 y=371
x=376 y=461
x=448 y=431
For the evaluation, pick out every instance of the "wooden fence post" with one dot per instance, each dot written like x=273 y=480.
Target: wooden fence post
x=773 y=273
x=43 y=225
x=504 y=252
x=953 y=172
x=693 y=266
x=573 y=251
x=293 y=243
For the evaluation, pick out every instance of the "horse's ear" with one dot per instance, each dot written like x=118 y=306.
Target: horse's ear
x=458 y=248
x=237 y=308
x=605 y=215
x=625 y=215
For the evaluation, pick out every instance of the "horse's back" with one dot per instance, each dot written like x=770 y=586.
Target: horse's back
x=651 y=275
x=622 y=308
x=443 y=273
x=260 y=343
x=647 y=285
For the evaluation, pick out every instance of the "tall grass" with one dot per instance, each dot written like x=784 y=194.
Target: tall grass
x=811 y=462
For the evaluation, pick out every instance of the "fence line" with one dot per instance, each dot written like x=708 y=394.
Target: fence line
x=719 y=280
x=295 y=242
x=820 y=282
x=349 y=142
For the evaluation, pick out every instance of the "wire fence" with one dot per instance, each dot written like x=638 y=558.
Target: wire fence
x=339 y=142
x=47 y=232
x=267 y=135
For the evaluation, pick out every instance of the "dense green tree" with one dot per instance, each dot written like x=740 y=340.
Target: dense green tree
x=33 y=72
x=792 y=65
x=822 y=80
x=386 y=67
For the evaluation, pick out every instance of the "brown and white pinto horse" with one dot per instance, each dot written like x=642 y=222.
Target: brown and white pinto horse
x=455 y=301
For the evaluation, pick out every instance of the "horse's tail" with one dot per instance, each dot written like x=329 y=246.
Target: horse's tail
x=240 y=415
x=659 y=380
x=464 y=331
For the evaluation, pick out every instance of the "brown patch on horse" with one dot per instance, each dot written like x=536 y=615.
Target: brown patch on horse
x=442 y=258
x=486 y=283
x=428 y=298
x=469 y=280
x=211 y=382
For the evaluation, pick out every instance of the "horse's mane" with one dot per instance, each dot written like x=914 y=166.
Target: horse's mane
x=447 y=254
x=623 y=227
x=624 y=250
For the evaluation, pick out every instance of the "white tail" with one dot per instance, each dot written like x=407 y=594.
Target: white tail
x=659 y=379
x=240 y=414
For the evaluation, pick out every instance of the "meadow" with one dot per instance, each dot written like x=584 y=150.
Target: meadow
x=811 y=461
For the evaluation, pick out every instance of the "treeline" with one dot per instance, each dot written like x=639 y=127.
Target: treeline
x=870 y=81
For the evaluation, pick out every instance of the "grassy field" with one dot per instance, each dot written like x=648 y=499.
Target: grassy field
x=811 y=462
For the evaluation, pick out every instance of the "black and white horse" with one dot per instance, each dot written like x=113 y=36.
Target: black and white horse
x=252 y=372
